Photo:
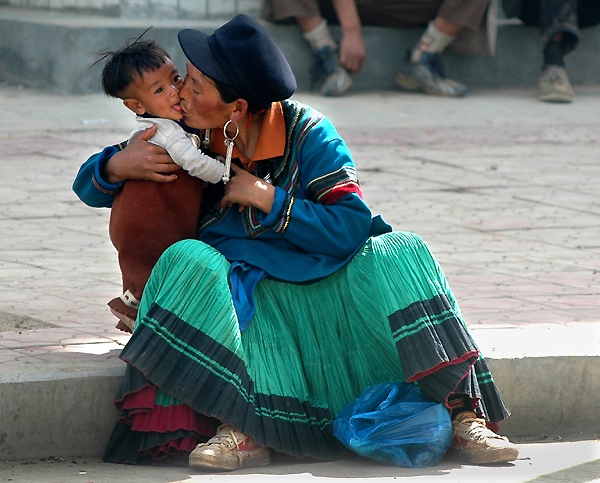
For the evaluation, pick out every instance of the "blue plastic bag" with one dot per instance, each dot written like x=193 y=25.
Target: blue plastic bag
x=394 y=424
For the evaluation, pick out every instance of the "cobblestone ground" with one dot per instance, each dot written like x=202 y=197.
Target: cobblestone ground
x=511 y=212
x=505 y=189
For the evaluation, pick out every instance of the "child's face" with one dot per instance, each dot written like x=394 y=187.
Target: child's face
x=156 y=93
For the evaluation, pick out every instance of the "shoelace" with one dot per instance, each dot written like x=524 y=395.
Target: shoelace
x=553 y=75
x=478 y=429
x=224 y=434
x=433 y=60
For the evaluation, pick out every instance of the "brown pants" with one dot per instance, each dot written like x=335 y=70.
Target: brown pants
x=386 y=13
x=146 y=218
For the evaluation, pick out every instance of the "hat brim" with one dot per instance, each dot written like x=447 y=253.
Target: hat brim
x=196 y=48
x=242 y=55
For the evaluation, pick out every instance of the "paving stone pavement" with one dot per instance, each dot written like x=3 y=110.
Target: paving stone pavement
x=505 y=190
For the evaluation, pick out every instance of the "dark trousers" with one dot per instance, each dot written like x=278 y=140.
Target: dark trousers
x=561 y=16
x=386 y=13
x=146 y=218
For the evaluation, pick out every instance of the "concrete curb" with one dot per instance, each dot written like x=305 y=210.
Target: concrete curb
x=71 y=43
x=67 y=410
x=547 y=395
x=58 y=411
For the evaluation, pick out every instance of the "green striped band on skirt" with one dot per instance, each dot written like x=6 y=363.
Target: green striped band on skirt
x=310 y=349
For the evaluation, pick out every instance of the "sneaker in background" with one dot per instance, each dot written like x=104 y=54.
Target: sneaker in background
x=554 y=85
x=325 y=70
x=428 y=75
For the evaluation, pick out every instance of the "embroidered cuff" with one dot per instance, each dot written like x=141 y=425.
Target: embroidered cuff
x=99 y=183
x=286 y=214
x=273 y=217
x=329 y=188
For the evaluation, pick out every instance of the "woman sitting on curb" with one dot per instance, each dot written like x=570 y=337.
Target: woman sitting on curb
x=293 y=299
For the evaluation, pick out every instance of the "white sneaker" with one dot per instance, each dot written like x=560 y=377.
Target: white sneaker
x=336 y=83
x=474 y=443
x=554 y=85
x=327 y=71
x=229 y=450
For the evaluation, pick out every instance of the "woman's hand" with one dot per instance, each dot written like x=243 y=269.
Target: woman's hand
x=246 y=189
x=141 y=160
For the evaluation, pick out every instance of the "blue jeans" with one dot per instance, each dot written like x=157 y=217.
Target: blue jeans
x=561 y=16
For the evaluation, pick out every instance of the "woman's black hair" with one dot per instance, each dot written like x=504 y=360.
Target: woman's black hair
x=229 y=94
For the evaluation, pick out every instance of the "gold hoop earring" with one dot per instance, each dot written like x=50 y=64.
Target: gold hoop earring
x=229 y=144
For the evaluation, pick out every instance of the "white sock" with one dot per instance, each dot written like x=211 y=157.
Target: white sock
x=432 y=40
x=320 y=37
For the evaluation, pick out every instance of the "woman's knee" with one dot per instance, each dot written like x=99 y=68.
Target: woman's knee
x=192 y=253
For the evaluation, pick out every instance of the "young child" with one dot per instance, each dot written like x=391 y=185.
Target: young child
x=147 y=217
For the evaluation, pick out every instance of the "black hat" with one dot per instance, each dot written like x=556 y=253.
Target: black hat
x=243 y=55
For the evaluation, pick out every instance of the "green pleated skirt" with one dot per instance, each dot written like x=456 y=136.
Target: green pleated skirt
x=310 y=349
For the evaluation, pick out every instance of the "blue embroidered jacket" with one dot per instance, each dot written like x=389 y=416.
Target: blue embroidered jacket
x=318 y=219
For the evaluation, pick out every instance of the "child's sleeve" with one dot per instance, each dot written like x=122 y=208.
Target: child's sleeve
x=182 y=149
x=187 y=155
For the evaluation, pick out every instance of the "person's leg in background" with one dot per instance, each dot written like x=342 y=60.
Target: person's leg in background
x=327 y=70
x=327 y=74
x=443 y=19
x=560 y=36
x=559 y=20
x=423 y=69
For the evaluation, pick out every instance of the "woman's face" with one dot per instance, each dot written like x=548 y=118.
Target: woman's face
x=201 y=102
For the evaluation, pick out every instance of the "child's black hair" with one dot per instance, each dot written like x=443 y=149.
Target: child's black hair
x=129 y=62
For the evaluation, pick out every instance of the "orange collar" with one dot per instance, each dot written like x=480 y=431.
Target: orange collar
x=270 y=143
